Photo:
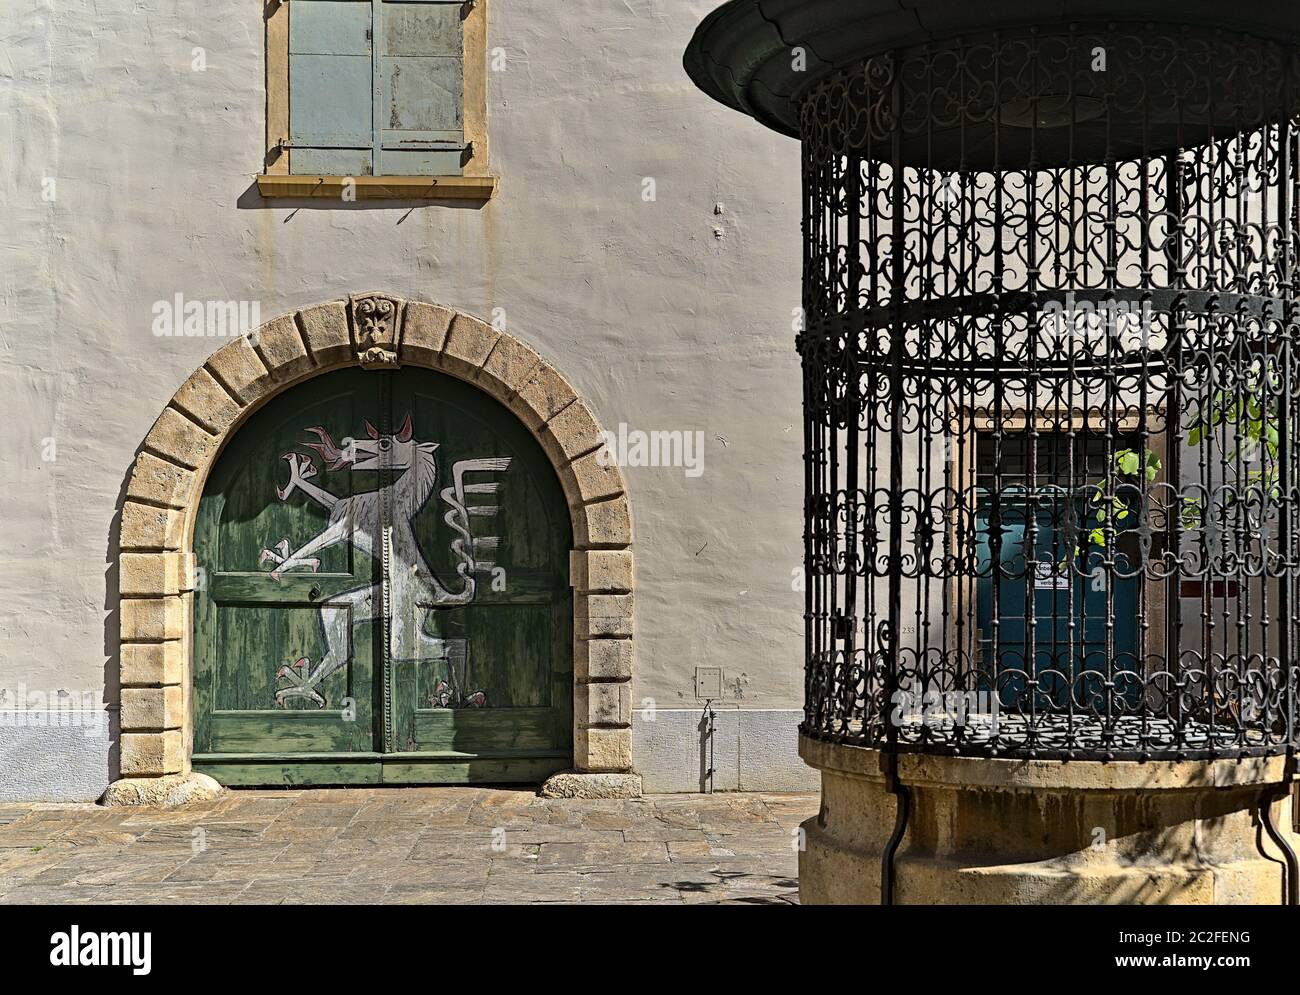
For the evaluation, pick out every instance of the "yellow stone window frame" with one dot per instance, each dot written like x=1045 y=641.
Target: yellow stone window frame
x=475 y=182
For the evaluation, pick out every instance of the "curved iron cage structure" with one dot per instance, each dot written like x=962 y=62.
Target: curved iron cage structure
x=1049 y=360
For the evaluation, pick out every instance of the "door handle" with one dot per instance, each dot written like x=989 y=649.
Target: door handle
x=314 y=593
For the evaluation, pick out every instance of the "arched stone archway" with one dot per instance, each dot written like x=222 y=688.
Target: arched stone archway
x=378 y=331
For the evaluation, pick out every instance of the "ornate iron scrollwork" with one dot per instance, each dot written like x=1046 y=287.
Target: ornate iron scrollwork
x=1050 y=387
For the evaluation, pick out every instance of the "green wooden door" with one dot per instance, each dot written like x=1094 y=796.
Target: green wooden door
x=384 y=591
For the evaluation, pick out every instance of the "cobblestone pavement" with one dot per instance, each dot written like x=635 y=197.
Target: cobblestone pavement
x=407 y=845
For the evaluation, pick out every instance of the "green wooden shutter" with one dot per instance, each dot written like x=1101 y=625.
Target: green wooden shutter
x=376 y=87
x=331 y=65
x=421 y=75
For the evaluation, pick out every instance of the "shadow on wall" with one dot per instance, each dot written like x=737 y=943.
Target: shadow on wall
x=706 y=729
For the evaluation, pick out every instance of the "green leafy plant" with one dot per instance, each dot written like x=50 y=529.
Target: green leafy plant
x=1127 y=463
x=1251 y=413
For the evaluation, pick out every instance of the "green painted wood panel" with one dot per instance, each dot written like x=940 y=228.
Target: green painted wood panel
x=283 y=773
x=359 y=773
x=376 y=87
x=423 y=99
x=393 y=162
x=443 y=730
x=293 y=667
x=329 y=27
x=420 y=83
x=502 y=643
x=526 y=770
x=253 y=628
x=329 y=102
x=429 y=28
x=332 y=162
x=330 y=83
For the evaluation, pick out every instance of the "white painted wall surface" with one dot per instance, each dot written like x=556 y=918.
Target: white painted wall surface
x=663 y=315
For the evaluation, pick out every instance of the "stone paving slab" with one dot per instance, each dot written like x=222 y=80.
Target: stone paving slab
x=463 y=845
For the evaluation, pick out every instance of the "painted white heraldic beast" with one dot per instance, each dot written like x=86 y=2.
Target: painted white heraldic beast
x=408 y=482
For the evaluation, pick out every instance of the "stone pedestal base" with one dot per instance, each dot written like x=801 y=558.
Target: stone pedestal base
x=1012 y=832
x=571 y=784
x=168 y=791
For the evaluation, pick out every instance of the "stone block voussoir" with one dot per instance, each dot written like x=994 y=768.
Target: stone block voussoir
x=469 y=343
x=605 y=524
x=147 y=527
x=424 y=332
x=282 y=349
x=542 y=397
x=325 y=330
x=238 y=366
x=207 y=402
x=158 y=481
x=176 y=437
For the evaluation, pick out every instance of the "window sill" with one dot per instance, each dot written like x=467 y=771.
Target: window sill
x=478 y=188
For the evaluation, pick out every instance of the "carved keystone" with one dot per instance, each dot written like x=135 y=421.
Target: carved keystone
x=374 y=320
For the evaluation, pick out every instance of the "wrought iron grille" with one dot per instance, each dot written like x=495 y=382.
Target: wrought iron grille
x=1050 y=396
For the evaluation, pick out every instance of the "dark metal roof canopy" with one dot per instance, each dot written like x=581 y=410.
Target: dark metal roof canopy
x=761 y=56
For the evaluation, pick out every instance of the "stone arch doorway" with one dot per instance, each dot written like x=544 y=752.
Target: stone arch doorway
x=385 y=595
x=157 y=567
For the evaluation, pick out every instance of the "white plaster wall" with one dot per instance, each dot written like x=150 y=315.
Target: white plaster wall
x=737 y=749
x=54 y=755
x=658 y=321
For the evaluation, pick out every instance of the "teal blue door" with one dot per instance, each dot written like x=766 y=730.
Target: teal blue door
x=1052 y=617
